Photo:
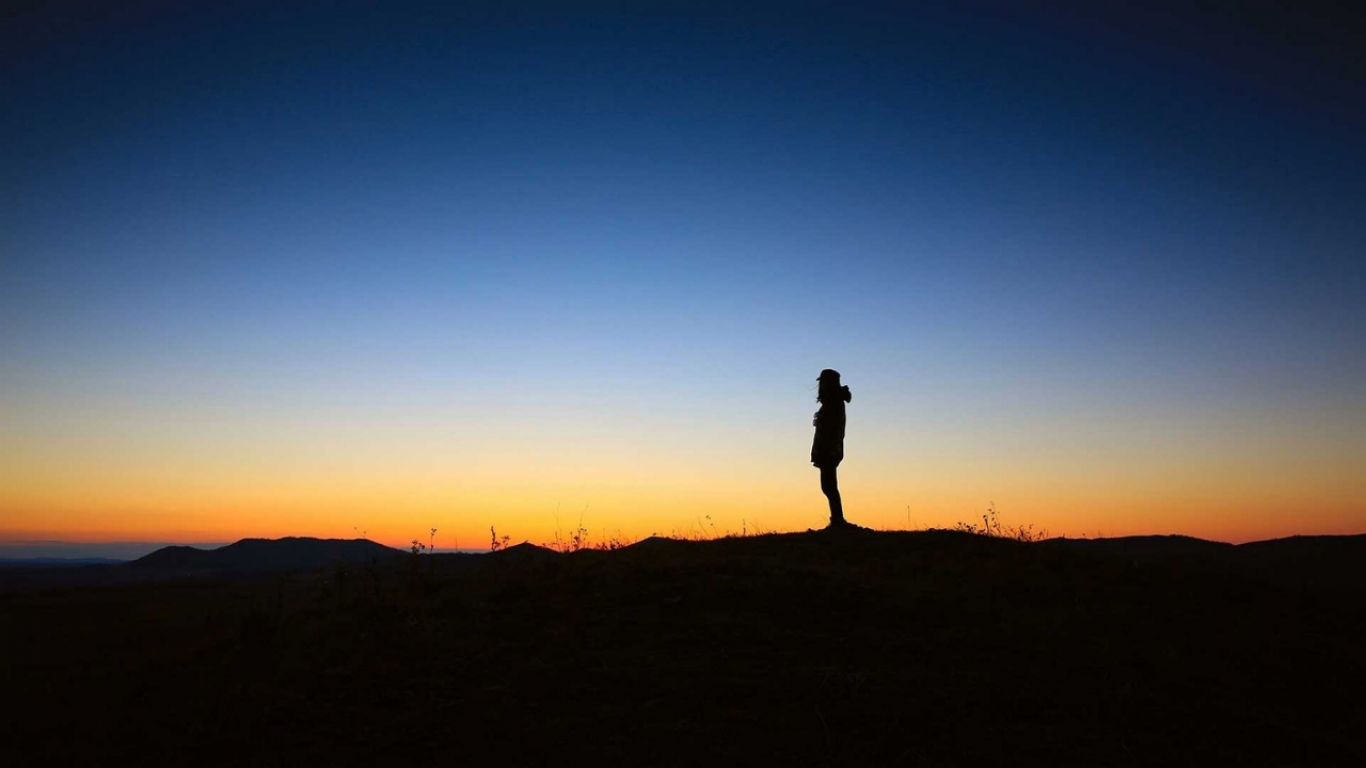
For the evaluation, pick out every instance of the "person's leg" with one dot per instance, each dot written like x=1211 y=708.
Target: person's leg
x=830 y=486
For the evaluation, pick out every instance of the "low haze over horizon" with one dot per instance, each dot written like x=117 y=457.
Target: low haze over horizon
x=382 y=268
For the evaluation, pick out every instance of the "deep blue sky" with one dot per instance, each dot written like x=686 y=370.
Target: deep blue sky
x=520 y=219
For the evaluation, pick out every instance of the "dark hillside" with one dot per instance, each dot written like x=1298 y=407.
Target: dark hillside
x=926 y=648
x=1331 y=563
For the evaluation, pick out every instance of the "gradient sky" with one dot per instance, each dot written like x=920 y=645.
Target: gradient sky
x=384 y=267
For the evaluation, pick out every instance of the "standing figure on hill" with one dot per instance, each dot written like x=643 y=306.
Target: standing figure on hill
x=827 y=450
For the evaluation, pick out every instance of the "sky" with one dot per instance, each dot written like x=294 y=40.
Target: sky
x=374 y=268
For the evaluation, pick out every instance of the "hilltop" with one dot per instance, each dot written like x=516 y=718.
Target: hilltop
x=937 y=648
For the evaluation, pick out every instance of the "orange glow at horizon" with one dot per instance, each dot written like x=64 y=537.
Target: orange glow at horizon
x=220 y=468
x=188 y=499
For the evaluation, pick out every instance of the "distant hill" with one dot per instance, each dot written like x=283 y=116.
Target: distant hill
x=1290 y=547
x=1146 y=546
x=1314 y=560
x=265 y=555
x=526 y=552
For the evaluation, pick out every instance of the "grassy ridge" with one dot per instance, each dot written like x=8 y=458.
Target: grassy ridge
x=933 y=648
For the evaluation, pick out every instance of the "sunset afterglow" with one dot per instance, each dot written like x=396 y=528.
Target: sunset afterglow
x=267 y=274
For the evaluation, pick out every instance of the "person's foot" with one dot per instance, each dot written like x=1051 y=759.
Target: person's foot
x=844 y=525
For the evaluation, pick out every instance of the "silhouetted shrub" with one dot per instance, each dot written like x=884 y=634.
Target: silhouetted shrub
x=991 y=526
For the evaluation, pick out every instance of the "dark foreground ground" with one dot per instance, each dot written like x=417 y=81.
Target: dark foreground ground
x=926 y=648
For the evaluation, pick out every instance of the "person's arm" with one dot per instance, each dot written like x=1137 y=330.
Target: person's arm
x=816 y=441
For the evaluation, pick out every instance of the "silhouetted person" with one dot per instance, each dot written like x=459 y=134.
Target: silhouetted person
x=827 y=450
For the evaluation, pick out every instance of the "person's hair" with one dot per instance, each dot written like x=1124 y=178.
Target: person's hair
x=829 y=389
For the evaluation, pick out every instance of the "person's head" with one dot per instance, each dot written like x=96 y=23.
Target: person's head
x=828 y=387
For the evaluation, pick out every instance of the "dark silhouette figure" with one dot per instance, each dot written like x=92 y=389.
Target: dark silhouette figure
x=827 y=450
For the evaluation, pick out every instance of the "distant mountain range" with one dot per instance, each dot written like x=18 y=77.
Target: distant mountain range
x=55 y=562
x=265 y=555
x=1299 y=560
x=113 y=551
